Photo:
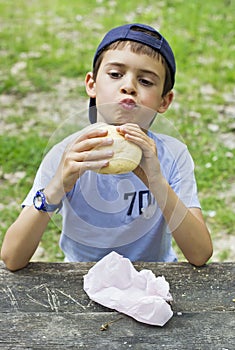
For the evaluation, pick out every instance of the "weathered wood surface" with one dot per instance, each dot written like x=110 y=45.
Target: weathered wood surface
x=44 y=307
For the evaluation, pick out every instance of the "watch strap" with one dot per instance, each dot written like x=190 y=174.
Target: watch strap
x=44 y=206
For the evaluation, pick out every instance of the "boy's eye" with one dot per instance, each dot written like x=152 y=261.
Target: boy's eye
x=145 y=82
x=115 y=75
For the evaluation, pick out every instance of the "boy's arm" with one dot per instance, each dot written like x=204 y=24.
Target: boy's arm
x=23 y=236
x=186 y=224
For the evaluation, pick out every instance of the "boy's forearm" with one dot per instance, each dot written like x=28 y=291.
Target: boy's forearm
x=22 y=238
x=193 y=238
x=187 y=225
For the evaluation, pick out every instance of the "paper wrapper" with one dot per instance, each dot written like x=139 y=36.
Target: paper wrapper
x=115 y=283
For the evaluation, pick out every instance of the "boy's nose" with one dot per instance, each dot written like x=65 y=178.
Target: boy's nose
x=128 y=91
x=128 y=88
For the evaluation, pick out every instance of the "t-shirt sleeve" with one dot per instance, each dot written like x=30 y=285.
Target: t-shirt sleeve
x=178 y=168
x=182 y=179
x=44 y=174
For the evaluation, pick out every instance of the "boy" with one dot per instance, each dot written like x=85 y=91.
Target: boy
x=137 y=213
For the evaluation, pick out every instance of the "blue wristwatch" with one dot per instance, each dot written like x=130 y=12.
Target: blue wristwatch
x=40 y=202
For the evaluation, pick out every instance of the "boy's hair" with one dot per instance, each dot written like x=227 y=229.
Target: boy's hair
x=142 y=40
x=139 y=49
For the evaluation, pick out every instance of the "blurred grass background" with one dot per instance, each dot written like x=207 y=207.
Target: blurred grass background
x=46 y=47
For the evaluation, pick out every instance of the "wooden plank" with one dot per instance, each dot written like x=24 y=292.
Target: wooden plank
x=44 y=307
x=82 y=331
x=44 y=287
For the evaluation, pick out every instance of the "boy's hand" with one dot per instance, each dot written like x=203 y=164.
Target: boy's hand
x=81 y=155
x=149 y=167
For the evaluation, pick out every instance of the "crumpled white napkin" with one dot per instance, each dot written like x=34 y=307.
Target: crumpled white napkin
x=115 y=283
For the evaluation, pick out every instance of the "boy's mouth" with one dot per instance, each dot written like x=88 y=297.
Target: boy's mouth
x=128 y=104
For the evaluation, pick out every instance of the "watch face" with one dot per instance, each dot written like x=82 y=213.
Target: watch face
x=39 y=201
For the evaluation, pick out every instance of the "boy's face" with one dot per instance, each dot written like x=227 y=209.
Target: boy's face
x=128 y=88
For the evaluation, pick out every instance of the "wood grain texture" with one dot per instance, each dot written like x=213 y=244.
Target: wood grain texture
x=44 y=306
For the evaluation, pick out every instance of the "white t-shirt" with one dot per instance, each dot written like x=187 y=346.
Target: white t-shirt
x=105 y=213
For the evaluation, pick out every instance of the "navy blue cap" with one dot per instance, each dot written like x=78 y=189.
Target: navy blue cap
x=139 y=33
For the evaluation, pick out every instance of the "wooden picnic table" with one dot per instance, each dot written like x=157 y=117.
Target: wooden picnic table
x=44 y=306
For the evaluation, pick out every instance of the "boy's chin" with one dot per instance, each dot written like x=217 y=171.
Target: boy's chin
x=114 y=115
x=143 y=124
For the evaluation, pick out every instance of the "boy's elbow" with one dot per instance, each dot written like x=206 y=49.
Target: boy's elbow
x=201 y=260
x=10 y=263
x=11 y=266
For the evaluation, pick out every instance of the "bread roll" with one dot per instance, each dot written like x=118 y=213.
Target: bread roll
x=126 y=157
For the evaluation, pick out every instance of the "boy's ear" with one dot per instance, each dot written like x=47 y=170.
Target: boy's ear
x=166 y=101
x=90 y=85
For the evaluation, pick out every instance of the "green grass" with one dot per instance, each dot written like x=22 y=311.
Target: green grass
x=55 y=39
